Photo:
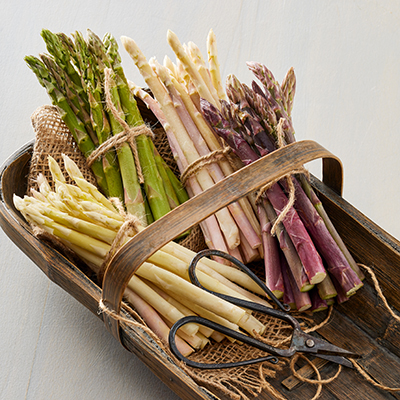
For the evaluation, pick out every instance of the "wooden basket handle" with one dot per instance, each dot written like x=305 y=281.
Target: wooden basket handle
x=244 y=181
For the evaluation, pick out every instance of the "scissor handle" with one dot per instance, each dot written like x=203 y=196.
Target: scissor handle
x=228 y=332
x=300 y=341
x=281 y=314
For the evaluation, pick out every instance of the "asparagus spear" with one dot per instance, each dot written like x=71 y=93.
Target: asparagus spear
x=198 y=60
x=195 y=76
x=273 y=272
x=288 y=86
x=214 y=64
x=103 y=131
x=318 y=304
x=168 y=188
x=301 y=299
x=154 y=321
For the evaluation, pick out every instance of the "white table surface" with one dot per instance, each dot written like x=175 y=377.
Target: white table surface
x=346 y=55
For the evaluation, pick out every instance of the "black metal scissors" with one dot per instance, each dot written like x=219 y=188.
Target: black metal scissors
x=300 y=341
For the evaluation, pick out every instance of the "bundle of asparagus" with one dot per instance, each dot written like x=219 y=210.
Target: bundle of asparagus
x=305 y=260
x=160 y=291
x=234 y=229
x=85 y=80
x=254 y=122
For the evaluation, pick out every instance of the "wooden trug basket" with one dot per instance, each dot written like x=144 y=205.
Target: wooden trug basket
x=362 y=324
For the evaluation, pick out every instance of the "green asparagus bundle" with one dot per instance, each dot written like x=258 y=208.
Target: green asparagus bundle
x=86 y=82
x=87 y=222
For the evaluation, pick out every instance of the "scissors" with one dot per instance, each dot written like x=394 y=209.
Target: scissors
x=300 y=342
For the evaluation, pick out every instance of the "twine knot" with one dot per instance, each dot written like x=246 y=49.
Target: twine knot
x=128 y=134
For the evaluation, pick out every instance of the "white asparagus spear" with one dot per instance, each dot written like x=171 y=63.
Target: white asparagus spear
x=198 y=60
x=214 y=66
x=154 y=321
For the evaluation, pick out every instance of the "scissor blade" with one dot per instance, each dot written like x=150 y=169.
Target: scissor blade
x=337 y=359
x=319 y=347
x=325 y=348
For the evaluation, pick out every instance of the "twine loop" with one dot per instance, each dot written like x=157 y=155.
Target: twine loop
x=131 y=225
x=201 y=162
x=291 y=189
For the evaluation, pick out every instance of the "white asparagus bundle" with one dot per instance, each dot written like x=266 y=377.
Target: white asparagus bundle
x=160 y=291
x=191 y=138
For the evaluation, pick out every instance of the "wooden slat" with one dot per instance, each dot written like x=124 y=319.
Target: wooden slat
x=382 y=365
x=367 y=311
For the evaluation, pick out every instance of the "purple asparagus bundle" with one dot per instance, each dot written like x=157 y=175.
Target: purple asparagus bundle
x=310 y=258
x=251 y=115
x=281 y=107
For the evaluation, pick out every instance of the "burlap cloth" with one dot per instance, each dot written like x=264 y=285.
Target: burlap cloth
x=52 y=137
